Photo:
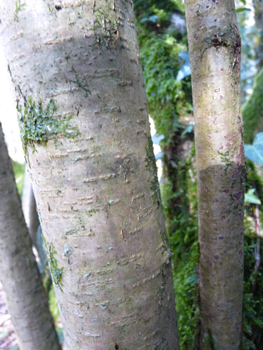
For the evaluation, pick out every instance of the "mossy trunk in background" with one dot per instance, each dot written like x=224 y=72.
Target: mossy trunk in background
x=252 y=110
x=214 y=47
x=26 y=298
x=162 y=36
x=258 y=6
x=96 y=191
x=178 y=161
x=170 y=105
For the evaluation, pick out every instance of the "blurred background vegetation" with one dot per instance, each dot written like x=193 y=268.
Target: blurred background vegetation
x=164 y=53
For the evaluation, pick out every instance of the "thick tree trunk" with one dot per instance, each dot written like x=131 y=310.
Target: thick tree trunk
x=97 y=193
x=26 y=298
x=214 y=45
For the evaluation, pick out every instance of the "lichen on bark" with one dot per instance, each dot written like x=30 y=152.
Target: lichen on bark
x=38 y=124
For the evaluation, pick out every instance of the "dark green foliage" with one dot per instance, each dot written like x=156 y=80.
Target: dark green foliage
x=146 y=8
x=170 y=106
x=253 y=293
x=180 y=205
x=253 y=180
x=39 y=124
x=253 y=300
x=160 y=44
x=252 y=110
x=169 y=102
x=187 y=298
x=166 y=97
x=180 y=208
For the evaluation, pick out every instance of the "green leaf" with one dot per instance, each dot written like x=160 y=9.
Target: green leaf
x=255 y=152
x=193 y=278
x=152 y=18
x=185 y=70
x=251 y=198
x=242 y=9
x=188 y=129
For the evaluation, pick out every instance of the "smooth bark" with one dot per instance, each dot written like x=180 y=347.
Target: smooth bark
x=26 y=298
x=97 y=193
x=214 y=47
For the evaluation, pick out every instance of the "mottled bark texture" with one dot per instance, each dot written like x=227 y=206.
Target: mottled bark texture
x=97 y=193
x=214 y=46
x=26 y=297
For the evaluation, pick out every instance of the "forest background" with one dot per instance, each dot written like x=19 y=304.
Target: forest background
x=164 y=52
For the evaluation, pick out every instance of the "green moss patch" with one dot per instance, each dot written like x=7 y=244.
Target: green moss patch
x=39 y=124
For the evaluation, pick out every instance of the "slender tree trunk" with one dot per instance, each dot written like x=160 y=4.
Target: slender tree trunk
x=97 y=193
x=29 y=208
x=32 y=221
x=214 y=46
x=26 y=298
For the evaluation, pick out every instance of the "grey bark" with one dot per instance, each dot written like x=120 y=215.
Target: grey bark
x=97 y=194
x=26 y=298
